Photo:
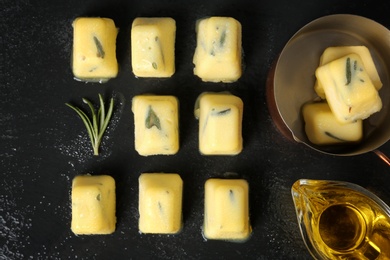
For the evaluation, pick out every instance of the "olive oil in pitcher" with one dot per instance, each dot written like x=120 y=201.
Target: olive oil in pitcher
x=340 y=220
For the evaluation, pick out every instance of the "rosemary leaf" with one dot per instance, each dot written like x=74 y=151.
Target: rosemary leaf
x=99 y=116
x=152 y=119
x=221 y=112
x=231 y=195
x=223 y=38
x=97 y=126
x=160 y=208
x=334 y=137
x=101 y=113
x=106 y=120
x=348 y=71
x=94 y=117
x=99 y=47
x=85 y=120
x=161 y=52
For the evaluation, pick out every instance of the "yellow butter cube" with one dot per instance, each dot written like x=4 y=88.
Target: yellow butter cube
x=334 y=53
x=153 y=47
x=93 y=205
x=220 y=124
x=218 y=52
x=160 y=203
x=156 y=123
x=348 y=88
x=94 y=49
x=226 y=213
x=322 y=127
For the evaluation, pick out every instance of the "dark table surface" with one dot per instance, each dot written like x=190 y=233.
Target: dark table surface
x=44 y=145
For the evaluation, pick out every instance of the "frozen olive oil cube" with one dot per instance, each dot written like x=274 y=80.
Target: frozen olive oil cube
x=160 y=203
x=334 y=53
x=93 y=205
x=349 y=91
x=156 y=124
x=322 y=127
x=94 y=49
x=220 y=124
x=226 y=213
x=218 y=51
x=153 y=47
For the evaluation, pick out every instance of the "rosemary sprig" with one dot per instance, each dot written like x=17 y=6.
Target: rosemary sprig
x=99 y=123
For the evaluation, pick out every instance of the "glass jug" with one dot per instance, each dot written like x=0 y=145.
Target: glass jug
x=341 y=220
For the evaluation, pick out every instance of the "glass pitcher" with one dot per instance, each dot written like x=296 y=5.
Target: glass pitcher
x=341 y=220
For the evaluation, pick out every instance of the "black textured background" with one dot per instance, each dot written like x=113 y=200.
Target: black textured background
x=43 y=144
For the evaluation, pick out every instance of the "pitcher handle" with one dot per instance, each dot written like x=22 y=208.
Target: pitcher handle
x=382 y=156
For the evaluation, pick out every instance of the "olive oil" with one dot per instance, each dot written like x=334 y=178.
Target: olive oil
x=340 y=220
x=341 y=227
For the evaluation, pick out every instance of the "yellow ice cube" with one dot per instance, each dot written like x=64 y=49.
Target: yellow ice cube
x=93 y=205
x=218 y=52
x=220 y=124
x=226 y=210
x=322 y=127
x=156 y=123
x=160 y=203
x=94 y=49
x=348 y=88
x=334 y=53
x=153 y=47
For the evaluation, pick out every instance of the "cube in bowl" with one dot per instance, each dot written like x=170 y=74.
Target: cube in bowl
x=334 y=53
x=348 y=88
x=322 y=127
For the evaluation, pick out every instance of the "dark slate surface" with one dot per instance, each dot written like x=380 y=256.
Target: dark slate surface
x=44 y=145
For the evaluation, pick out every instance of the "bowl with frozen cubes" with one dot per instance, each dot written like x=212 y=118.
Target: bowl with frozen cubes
x=330 y=86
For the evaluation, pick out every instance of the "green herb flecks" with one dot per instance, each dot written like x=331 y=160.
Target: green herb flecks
x=99 y=123
x=221 y=112
x=160 y=207
x=231 y=195
x=93 y=69
x=223 y=38
x=215 y=112
x=152 y=119
x=158 y=42
x=205 y=123
x=348 y=71
x=99 y=47
x=334 y=137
